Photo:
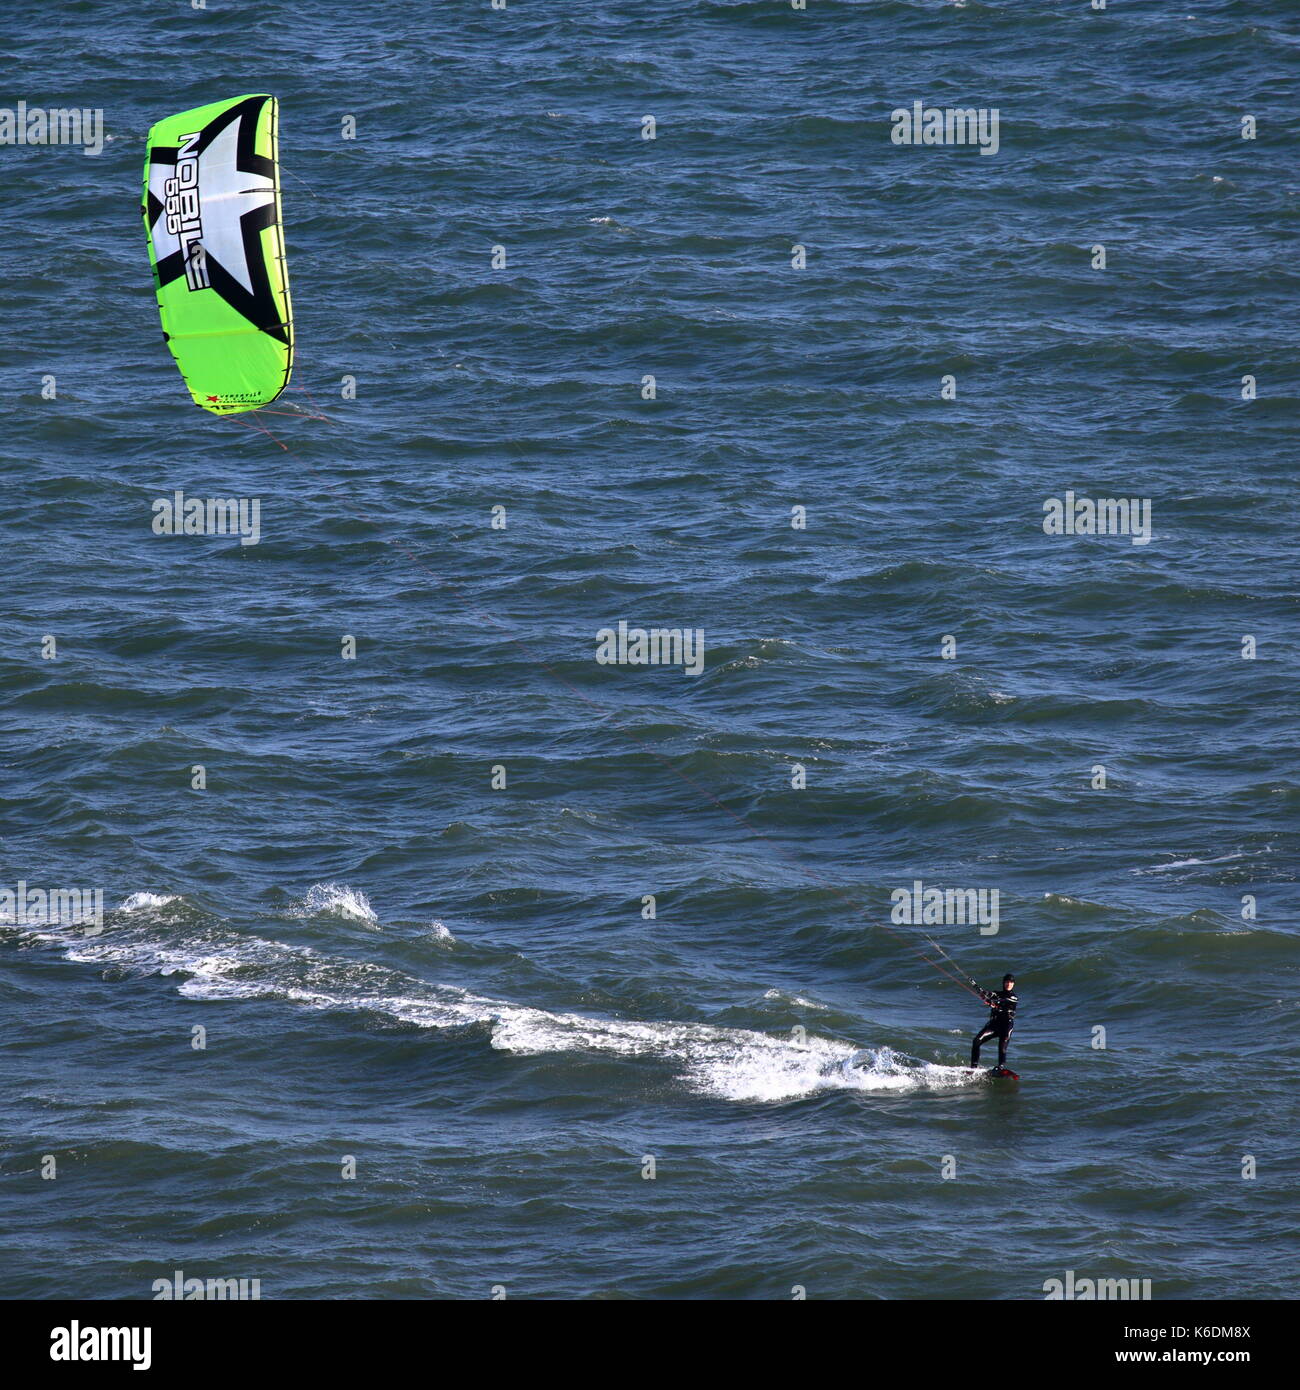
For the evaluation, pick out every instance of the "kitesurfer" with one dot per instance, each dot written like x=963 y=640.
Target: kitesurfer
x=1001 y=1021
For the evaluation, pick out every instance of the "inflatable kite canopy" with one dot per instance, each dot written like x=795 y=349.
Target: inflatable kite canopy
x=216 y=243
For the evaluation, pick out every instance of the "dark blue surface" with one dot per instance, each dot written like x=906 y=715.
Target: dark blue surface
x=455 y=984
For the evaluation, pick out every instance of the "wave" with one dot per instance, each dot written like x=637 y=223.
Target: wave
x=1189 y=863
x=146 y=902
x=336 y=900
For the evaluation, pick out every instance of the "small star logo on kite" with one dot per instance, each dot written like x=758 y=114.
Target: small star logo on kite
x=214 y=398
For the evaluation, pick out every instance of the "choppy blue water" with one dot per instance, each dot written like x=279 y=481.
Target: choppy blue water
x=455 y=984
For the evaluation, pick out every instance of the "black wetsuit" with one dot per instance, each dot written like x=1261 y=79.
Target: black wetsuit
x=1001 y=1022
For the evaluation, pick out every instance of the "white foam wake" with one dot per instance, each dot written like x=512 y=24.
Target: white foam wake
x=729 y=1063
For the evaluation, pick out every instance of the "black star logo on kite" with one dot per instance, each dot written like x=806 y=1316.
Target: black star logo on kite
x=237 y=202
